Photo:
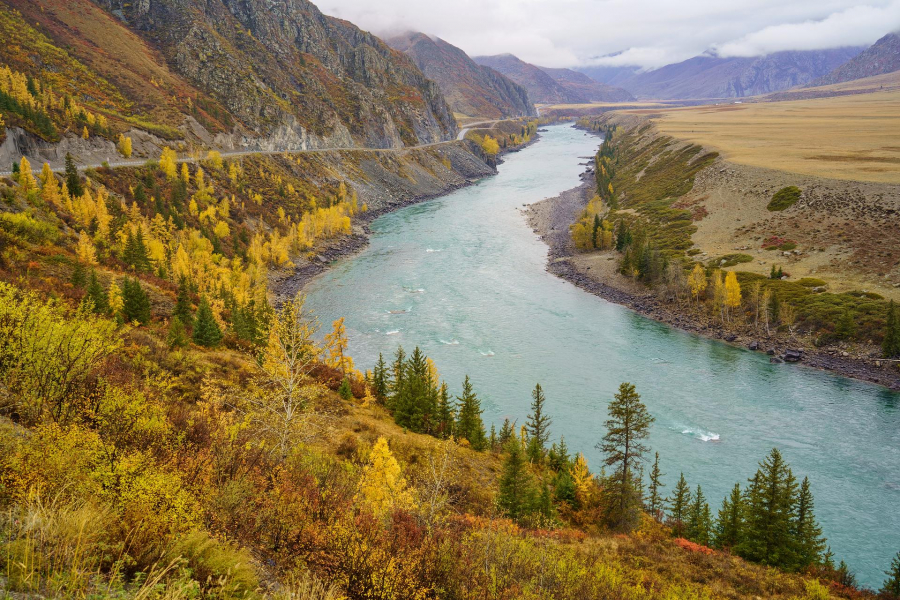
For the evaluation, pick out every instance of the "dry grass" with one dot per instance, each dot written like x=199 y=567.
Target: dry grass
x=605 y=105
x=847 y=137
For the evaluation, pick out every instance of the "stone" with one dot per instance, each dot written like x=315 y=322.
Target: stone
x=771 y=351
x=775 y=360
x=754 y=345
x=793 y=355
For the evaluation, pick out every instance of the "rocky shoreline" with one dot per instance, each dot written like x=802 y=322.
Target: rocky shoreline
x=550 y=219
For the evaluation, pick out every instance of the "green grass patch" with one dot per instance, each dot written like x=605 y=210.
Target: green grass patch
x=812 y=282
x=784 y=198
x=729 y=260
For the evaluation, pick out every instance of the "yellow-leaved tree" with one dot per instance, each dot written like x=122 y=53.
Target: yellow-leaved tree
x=582 y=478
x=732 y=292
x=26 y=177
x=214 y=158
x=124 y=146
x=697 y=281
x=336 y=343
x=490 y=146
x=167 y=163
x=85 y=249
x=382 y=487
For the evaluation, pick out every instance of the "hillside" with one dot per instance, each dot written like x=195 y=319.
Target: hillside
x=223 y=73
x=470 y=89
x=881 y=57
x=552 y=86
x=708 y=76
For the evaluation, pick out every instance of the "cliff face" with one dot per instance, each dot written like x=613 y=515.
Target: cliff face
x=470 y=88
x=737 y=77
x=881 y=57
x=553 y=86
x=283 y=64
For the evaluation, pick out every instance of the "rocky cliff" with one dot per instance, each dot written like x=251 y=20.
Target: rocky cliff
x=881 y=57
x=471 y=89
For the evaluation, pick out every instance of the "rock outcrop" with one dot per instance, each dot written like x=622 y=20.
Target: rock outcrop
x=881 y=57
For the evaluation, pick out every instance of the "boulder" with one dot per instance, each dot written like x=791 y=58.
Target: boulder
x=775 y=360
x=754 y=345
x=730 y=337
x=793 y=355
x=771 y=351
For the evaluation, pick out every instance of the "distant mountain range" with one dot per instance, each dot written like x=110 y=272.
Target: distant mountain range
x=469 y=88
x=708 y=76
x=881 y=57
x=553 y=86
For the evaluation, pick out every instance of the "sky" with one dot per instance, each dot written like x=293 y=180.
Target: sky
x=643 y=33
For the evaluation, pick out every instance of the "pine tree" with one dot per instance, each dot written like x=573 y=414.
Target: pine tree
x=411 y=402
x=699 y=520
x=680 y=503
x=516 y=496
x=627 y=427
x=397 y=376
x=379 y=379
x=136 y=254
x=345 y=391
x=656 y=502
x=729 y=530
x=538 y=426
x=564 y=488
x=558 y=456
x=182 y=308
x=469 y=425
x=807 y=532
x=73 y=181
x=845 y=328
x=382 y=487
x=177 y=337
x=770 y=515
x=78 y=276
x=447 y=413
x=206 y=330
x=506 y=431
x=97 y=295
x=135 y=302
x=891 y=587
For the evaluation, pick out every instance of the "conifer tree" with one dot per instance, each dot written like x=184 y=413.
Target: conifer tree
x=379 y=379
x=382 y=487
x=177 y=337
x=135 y=302
x=397 y=376
x=410 y=404
x=516 y=495
x=73 y=181
x=538 y=426
x=78 y=276
x=564 y=488
x=447 y=414
x=729 y=530
x=656 y=502
x=558 y=456
x=506 y=431
x=136 y=254
x=345 y=391
x=493 y=445
x=699 y=520
x=469 y=425
x=581 y=479
x=206 y=330
x=807 y=532
x=770 y=515
x=680 y=503
x=182 y=308
x=627 y=428
x=97 y=295
x=891 y=587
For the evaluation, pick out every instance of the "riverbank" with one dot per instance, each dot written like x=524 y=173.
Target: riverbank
x=385 y=196
x=597 y=274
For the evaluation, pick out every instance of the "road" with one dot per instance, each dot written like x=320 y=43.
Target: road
x=236 y=153
x=467 y=128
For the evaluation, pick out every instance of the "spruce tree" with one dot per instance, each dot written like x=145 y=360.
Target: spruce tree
x=730 y=522
x=558 y=456
x=411 y=402
x=516 y=495
x=807 y=532
x=506 y=431
x=680 y=503
x=656 y=502
x=770 y=514
x=397 y=377
x=135 y=302
x=379 y=379
x=177 y=337
x=628 y=426
x=564 y=488
x=78 y=276
x=206 y=330
x=699 y=522
x=538 y=426
x=468 y=424
x=891 y=587
x=345 y=391
x=446 y=413
x=97 y=295
x=182 y=308
x=73 y=181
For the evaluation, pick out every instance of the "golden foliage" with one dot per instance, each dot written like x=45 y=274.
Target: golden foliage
x=124 y=146
x=383 y=488
x=167 y=163
x=697 y=281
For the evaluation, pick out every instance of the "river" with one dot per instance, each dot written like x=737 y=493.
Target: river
x=469 y=275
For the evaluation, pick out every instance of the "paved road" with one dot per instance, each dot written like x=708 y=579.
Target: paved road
x=235 y=153
x=465 y=130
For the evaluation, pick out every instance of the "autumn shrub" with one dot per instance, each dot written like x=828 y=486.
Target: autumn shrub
x=222 y=570
x=28 y=228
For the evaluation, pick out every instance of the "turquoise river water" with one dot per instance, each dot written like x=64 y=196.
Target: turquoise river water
x=469 y=274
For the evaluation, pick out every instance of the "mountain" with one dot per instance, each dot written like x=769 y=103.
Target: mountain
x=552 y=86
x=881 y=57
x=708 y=76
x=247 y=72
x=609 y=75
x=471 y=89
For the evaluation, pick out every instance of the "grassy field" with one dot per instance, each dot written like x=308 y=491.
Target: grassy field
x=850 y=137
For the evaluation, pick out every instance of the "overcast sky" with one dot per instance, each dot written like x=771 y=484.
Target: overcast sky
x=648 y=33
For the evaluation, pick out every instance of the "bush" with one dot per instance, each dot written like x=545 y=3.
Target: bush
x=729 y=260
x=28 y=228
x=784 y=198
x=222 y=570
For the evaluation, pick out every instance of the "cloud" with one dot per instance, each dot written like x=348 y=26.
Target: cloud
x=644 y=33
x=856 y=26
